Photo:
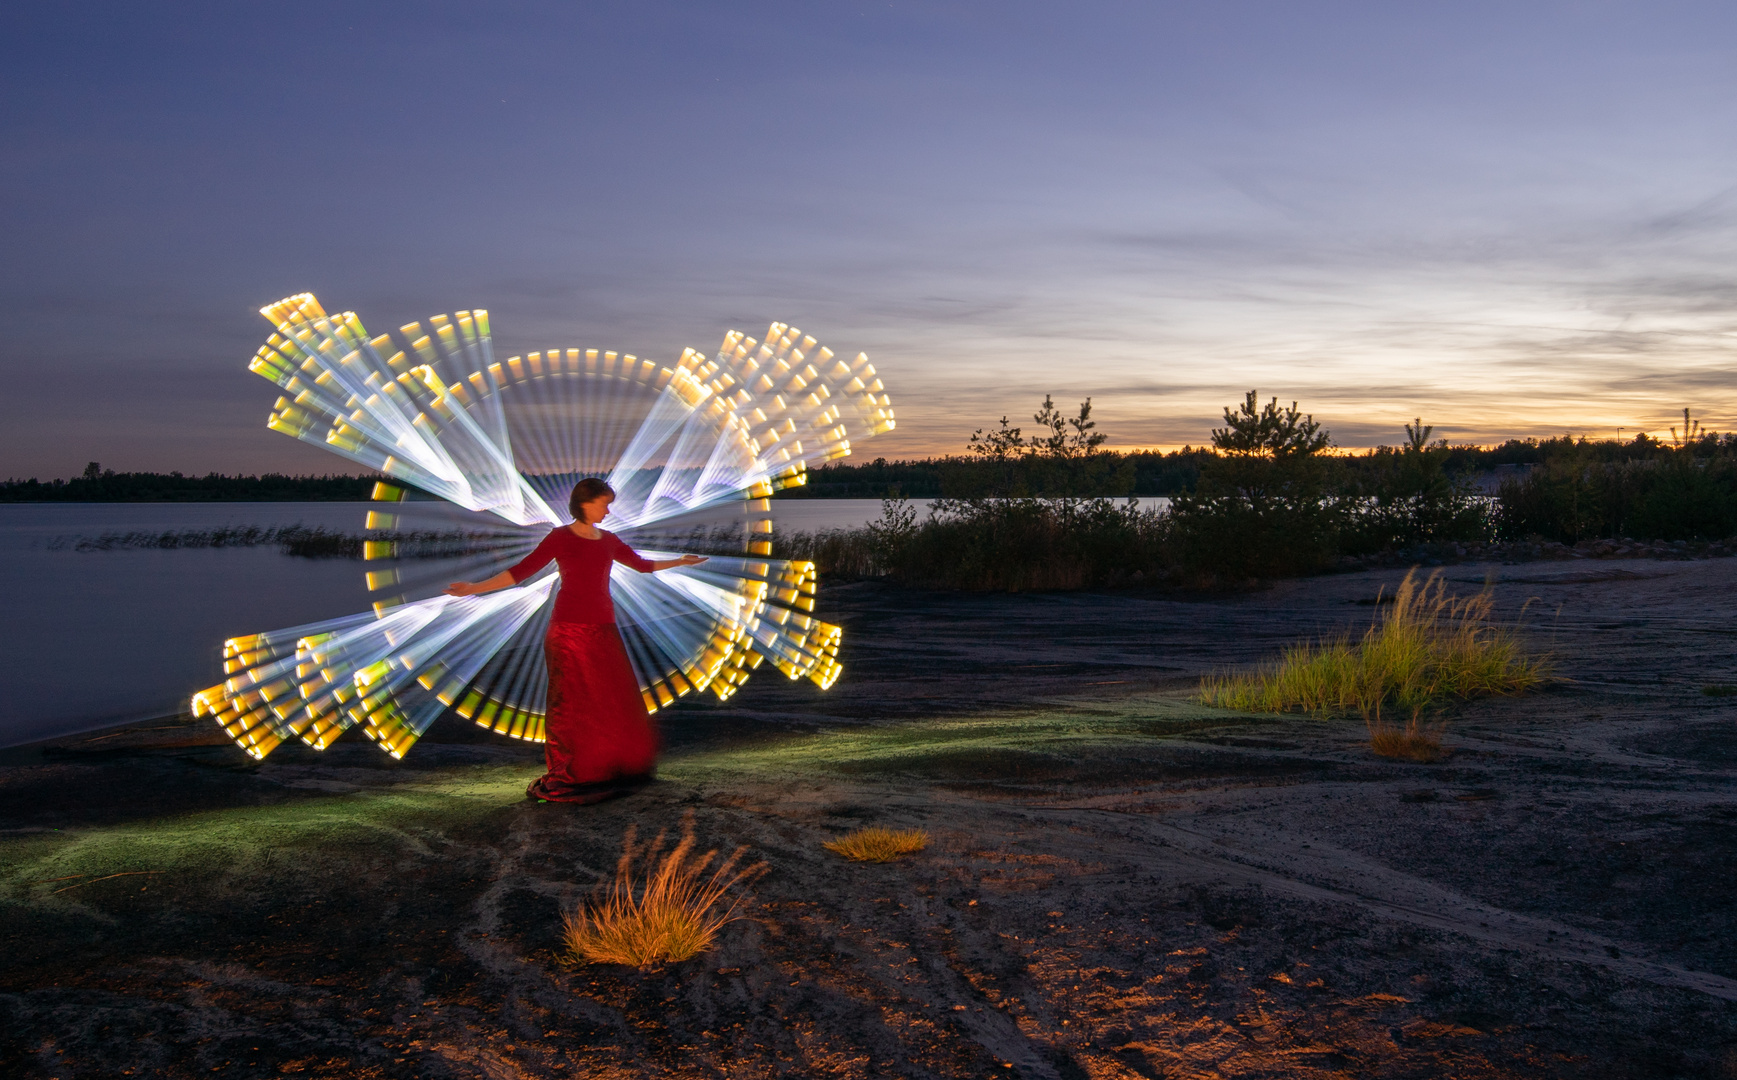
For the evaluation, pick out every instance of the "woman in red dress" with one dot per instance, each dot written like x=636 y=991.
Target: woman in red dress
x=601 y=741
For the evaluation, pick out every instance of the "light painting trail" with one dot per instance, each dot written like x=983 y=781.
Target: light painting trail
x=694 y=450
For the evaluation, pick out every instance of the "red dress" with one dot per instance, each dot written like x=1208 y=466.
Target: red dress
x=600 y=738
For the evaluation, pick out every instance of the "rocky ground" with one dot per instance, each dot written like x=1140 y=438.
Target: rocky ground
x=1121 y=883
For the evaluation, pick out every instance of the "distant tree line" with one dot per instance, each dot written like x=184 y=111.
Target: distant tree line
x=97 y=484
x=1177 y=472
x=1154 y=473
x=1267 y=498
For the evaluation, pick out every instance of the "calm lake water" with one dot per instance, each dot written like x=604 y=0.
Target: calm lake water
x=93 y=639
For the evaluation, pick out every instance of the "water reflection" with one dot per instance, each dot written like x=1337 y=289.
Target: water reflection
x=97 y=638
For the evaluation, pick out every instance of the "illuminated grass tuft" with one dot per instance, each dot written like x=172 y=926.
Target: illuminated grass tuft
x=876 y=844
x=1411 y=743
x=1427 y=648
x=671 y=916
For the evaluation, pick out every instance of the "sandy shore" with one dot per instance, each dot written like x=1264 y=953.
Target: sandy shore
x=1122 y=883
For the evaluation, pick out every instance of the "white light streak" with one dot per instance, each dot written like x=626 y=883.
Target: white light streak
x=692 y=449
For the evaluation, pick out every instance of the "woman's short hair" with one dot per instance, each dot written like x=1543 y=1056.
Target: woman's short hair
x=584 y=491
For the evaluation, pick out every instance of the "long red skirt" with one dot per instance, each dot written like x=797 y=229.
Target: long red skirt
x=600 y=739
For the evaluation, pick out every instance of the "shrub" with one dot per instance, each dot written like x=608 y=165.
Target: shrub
x=1425 y=649
x=1010 y=545
x=876 y=844
x=1572 y=496
x=1021 y=512
x=671 y=916
x=1404 y=496
x=1015 y=545
x=1683 y=498
x=1263 y=508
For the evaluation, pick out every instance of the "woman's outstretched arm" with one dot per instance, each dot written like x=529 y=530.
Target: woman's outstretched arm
x=476 y=588
x=685 y=560
x=633 y=560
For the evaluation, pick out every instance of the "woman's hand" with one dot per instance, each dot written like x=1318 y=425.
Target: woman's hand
x=680 y=560
x=476 y=588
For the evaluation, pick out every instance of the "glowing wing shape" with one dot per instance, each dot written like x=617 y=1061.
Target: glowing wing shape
x=693 y=449
x=406 y=411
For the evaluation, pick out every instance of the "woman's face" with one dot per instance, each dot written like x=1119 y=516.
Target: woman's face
x=594 y=510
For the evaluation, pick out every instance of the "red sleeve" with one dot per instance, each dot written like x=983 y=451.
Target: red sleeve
x=537 y=559
x=628 y=557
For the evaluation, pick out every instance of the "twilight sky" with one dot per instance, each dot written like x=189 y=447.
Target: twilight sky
x=1510 y=219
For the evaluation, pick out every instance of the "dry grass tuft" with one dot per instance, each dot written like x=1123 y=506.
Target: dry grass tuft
x=1412 y=742
x=876 y=844
x=1424 y=649
x=671 y=916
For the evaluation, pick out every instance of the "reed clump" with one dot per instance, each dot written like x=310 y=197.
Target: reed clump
x=315 y=543
x=1413 y=742
x=1425 y=649
x=877 y=844
x=994 y=545
x=842 y=553
x=671 y=914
